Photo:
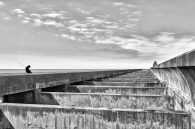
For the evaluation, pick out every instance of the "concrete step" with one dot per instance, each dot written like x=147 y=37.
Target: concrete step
x=97 y=100
x=135 y=77
x=128 y=90
x=141 y=84
x=30 y=116
x=128 y=80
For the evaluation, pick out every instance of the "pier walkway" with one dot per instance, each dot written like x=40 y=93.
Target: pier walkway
x=133 y=99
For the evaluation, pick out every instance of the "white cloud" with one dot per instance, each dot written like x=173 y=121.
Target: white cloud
x=123 y=4
x=53 y=23
x=37 y=22
x=1 y=3
x=27 y=18
x=137 y=13
x=68 y=36
x=73 y=28
x=36 y=15
x=52 y=15
x=25 y=21
x=164 y=38
x=118 y=4
x=5 y=18
x=82 y=11
x=19 y=11
x=95 y=20
x=20 y=16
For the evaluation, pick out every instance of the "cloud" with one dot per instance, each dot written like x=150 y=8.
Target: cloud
x=19 y=11
x=25 y=21
x=123 y=4
x=83 y=11
x=52 y=15
x=53 y=23
x=94 y=20
x=68 y=36
x=1 y=3
x=118 y=4
x=137 y=13
x=164 y=38
x=36 y=15
x=37 y=22
x=27 y=18
x=73 y=28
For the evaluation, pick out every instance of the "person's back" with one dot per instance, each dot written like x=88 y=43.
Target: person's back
x=155 y=63
x=28 y=69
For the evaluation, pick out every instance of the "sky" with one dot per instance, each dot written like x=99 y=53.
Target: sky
x=94 y=34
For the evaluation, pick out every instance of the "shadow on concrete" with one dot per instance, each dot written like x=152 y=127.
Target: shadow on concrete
x=4 y=122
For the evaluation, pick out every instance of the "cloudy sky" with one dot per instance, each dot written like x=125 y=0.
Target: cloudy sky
x=83 y=34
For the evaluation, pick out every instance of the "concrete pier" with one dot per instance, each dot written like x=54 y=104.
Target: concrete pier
x=130 y=99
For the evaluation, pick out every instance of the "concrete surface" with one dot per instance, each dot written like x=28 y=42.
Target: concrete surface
x=155 y=102
x=28 y=116
x=128 y=90
x=16 y=83
x=179 y=74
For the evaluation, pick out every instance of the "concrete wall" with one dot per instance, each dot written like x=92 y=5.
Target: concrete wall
x=56 y=117
x=179 y=74
x=10 y=84
x=155 y=102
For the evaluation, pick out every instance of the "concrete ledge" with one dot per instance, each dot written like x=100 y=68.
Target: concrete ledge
x=106 y=100
x=143 y=84
x=117 y=89
x=184 y=60
x=16 y=83
x=30 y=116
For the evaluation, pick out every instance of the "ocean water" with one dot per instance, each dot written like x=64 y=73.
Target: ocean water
x=8 y=71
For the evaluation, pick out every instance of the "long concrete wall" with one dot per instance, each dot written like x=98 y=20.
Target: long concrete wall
x=27 y=116
x=179 y=74
x=16 y=83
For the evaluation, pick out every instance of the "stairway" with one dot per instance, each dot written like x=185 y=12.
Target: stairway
x=135 y=100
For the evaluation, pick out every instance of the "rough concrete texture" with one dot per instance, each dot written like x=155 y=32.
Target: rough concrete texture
x=10 y=84
x=155 y=102
x=185 y=60
x=181 y=81
x=117 y=90
x=179 y=74
x=128 y=80
x=142 y=84
x=56 y=117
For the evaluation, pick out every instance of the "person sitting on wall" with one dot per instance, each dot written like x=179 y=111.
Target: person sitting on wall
x=155 y=63
x=28 y=69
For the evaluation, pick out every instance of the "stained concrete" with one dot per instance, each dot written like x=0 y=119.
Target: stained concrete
x=139 y=84
x=28 y=116
x=156 y=102
x=16 y=83
x=98 y=110
x=129 y=80
x=179 y=74
x=117 y=90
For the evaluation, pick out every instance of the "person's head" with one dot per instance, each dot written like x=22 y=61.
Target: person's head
x=28 y=66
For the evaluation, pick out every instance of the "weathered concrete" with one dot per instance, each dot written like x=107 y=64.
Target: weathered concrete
x=28 y=116
x=184 y=60
x=107 y=100
x=97 y=110
x=179 y=74
x=16 y=83
x=140 y=84
x=128 y=90
x=129 y=80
